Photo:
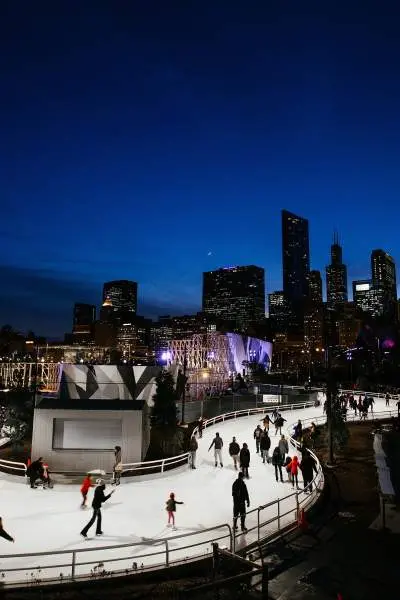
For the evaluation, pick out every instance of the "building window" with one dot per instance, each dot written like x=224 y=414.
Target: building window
x=86 y=434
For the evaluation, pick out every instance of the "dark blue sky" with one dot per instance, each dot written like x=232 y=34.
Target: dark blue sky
x=139 y=136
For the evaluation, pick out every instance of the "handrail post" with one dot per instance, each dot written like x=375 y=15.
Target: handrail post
x=166 y=553
x=162 y=465
x=73 y=564
x=279 y=514
x=258 y=524
x=297 y=506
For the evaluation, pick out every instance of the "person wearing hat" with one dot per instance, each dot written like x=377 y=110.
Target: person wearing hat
x=98 y=499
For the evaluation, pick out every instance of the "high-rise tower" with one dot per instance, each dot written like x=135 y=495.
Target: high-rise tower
x=336 y=277
x=383 y=270
x=122 y=295
x=235 y=294
x=296 y=264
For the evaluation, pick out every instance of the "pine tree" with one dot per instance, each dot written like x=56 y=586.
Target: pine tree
x=164 y=411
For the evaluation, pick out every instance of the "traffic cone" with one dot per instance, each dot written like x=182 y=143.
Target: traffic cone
x=302 y=522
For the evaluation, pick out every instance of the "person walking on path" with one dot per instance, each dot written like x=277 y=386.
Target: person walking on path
x=240 y=497
x=4 y=534
x=257 y=436
x=218 y=444
x=283 y=447
x=99 y=498
x=245 y=460
x=117 y=469
x=265 y=445
x=277 y=462
x=171 y=509
x=193 y=445
x=307 y=467
x=86 y=485
x=234 y=451
x=294 y=470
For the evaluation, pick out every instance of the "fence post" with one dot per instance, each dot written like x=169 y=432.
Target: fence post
x=166 y=553
x=73 y=564
x=297 y=506
x=279 y=514
x=162 y=466
x=258 y=523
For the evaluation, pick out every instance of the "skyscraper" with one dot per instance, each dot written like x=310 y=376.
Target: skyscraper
x=315 y=288
x=368 y=298
x=296 y=264
x=235 y=294
x=123 y=297
x=278 y=311
x=336 y=277
x=83 y=322
x=383 y=270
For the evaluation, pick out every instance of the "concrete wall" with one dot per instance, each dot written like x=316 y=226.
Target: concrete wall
x=133 y=426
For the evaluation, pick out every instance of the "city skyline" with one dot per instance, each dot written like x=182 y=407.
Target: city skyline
x=154 y=146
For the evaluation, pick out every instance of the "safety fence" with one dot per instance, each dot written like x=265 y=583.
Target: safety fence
x=263 y=523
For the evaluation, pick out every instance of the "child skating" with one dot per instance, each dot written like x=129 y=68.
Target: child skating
x=86 y=485
x=171 y=509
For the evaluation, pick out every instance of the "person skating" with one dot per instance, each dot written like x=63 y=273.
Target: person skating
x=240 y=497
x=279 y=421
x=257 y=436
x=4 y=534
x=86 y=485
x=294 y=470
x=265 y=445
x=171 y=509
x=245 y=460
x=307 y=467
x=193 y=445
x=218 y=444
x=117 y=469
x=266 y=422
x=98 y=499
x=277 y=463
x=283 y=447
x=234 y=451
x=200 y=427
x=35 y=471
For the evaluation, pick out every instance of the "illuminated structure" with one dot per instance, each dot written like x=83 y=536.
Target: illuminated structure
x=368 y=298
x=83 y=322
x=123 y=296
x=336 y=277
x=278 y=311
x=235 y=295
x=383 y=270
x=296 y=265
x=315 y=288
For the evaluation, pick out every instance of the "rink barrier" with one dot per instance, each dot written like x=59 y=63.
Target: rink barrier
x=13 y=468
x=267 y=527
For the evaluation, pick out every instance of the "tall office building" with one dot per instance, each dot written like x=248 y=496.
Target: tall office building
x=278 y=312
x=83 y=321
x=336 y=278
x=315 y=288
x=122 y=295
x=235 y=294
x=383 y=270
x=368 y=298
x=296 y=265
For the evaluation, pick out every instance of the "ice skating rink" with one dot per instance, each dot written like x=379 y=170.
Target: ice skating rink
x=51 y=520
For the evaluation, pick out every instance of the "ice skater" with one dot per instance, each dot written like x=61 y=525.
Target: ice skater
x=86 y=485
x=3 y=532
x=218 y=444
x=117 y=469
x=240 y=497
x=99 y=498
x=171 y=510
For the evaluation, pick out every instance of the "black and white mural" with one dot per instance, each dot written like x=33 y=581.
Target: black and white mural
x=107 y=382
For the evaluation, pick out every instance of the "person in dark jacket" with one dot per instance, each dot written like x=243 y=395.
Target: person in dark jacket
x=234 y=451
x=257 y=437
x=35 y=471
x=265 y=445
x=193 y=446
x=240 y=496
x=298 y=431
x=218 y=444
x=279 y=421
x=98 y=499
x=3 y=532
x=307 y=467
x=277 y=462
x=245 y=460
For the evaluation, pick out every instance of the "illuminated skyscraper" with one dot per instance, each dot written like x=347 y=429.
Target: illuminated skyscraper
x=315 y=288
x=336 y=278
x=83 y=322
x=368 y=298
x=235 y=294
x=122 y=295
x=383 y=270
x=296 y=265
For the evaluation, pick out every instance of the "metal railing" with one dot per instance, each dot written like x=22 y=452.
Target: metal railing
x=266 y=521
x=12 y=467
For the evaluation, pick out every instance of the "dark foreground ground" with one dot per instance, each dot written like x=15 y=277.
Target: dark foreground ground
x=339 y=553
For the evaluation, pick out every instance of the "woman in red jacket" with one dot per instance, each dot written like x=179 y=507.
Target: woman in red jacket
x=294 y=470
x=86 y=485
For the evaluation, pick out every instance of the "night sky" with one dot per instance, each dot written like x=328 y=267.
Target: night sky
x=153 y=140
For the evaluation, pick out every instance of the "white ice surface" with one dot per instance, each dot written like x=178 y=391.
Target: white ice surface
x=50 y=520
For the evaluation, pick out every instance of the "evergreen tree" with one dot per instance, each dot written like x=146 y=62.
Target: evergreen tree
x=164 y=410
